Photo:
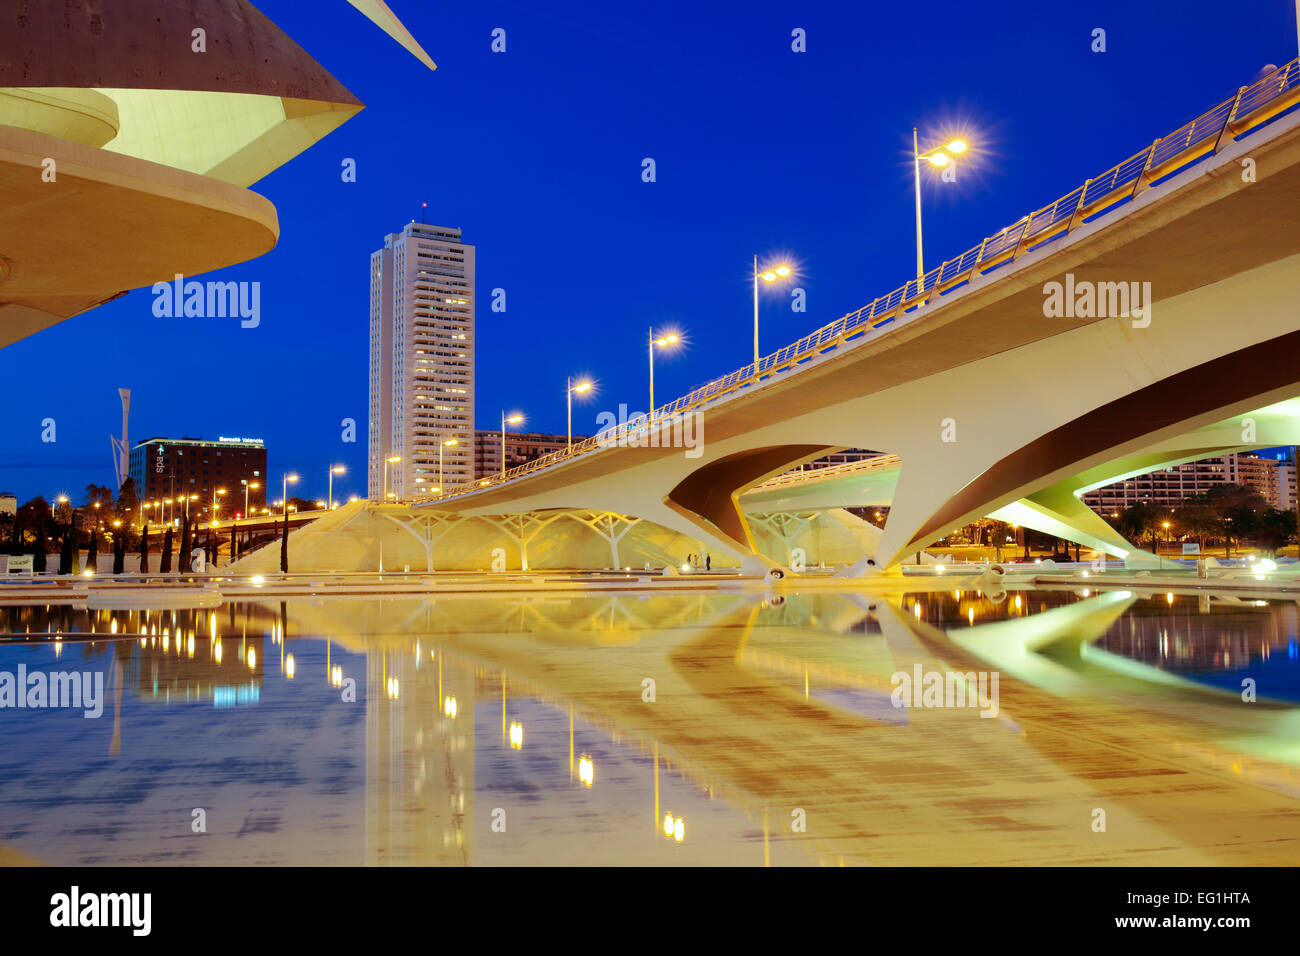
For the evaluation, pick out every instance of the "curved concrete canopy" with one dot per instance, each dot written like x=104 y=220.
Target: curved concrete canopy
x=178 y=222
x=248 y=102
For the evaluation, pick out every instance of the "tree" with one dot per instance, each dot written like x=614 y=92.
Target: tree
x=165 y=562
x=38 y=556
x=119 y=554
x=16 y=538
x=66 y=553
x=1275 y=527
x=92 y=551
x=144 y=550
x=184 y=557
x=128 y=503
x=284 y=547
x=99 y=494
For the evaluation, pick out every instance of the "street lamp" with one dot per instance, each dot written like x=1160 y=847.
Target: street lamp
x=441 y=445
x=334 y=470
x=512 y=420
x=389 y=461
x=284 y=489
x=767 y=275
x=938 y=156
x=569 y=388
x=215 y=504
x=664 y=341
x=247 y=485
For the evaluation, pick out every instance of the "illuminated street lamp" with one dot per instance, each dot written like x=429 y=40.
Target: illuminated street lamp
x=441 y=445
x=389 y=461
x=284 y=489
x=569 y=388
x=767 y=275
x=247 y=485
x=664 y=341
x=216 y=504
x=511 y=420
x=334 y=470
x=937 y=156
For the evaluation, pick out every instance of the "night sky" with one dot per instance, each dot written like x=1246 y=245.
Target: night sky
x=536 y=154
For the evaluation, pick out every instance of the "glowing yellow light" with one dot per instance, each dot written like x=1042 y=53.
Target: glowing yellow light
x=514 y=419
x=586 y=770
x=449 y=707
x=668 y=825
x=189 y=647
x=582 y=387
x=252 y=659
x=516 y=735
x=216 y=652
x=956 y=146
x=452 y=441
x=679 y=830
x=112 y=626
x=1169 y=598
x=939 y=159
x=939 y=568
x=256 y=579
x=767 y=276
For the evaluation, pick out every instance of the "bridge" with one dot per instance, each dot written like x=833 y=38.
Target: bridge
x=1147 y=314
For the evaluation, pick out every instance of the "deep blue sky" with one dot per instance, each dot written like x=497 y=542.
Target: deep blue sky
x=536 y=154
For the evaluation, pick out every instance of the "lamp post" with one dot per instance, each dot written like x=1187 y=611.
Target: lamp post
x=284 y=489
x=334 y=470
x=389 y=461
x=767 y=275
x=441 y=445
x=938 y=156
x=215 y=491
x=512 y=420
x=569 y=388
x=247 y=485
x=663 y=342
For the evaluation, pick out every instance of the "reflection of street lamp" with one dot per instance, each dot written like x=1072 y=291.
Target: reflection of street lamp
x=569 y=388
x=938 y=156
x=334 y=470
x=512 y=420
x=663 y=342
x=767 y=275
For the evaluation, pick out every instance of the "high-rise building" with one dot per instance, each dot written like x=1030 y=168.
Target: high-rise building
x=421 y=363
x=521 y=447
x=1273 y=478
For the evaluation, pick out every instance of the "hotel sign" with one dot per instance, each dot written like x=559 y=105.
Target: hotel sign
x=241 y=441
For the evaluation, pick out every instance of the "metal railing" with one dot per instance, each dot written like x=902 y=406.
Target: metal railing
x=1252 y=107
x=829 y=472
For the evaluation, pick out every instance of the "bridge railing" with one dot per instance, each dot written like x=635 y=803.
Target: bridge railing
x=1251 y=108
x=864 y=465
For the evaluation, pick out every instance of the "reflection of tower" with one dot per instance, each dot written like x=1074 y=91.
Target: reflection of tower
x=419 y=757
x=121 y=449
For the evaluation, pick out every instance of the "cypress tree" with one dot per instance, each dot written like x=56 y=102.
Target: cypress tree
x=165 y=563
x=38 y=557
x=119 y=554
x=92 y=552
x=65 y=553
x=144 y=549
x=284 y=545
x=183 y=559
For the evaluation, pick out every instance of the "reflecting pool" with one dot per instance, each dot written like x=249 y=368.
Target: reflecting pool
x=922 y=727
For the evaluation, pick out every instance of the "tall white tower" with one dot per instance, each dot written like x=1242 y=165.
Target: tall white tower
x=122 y=449
x=421 y=363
